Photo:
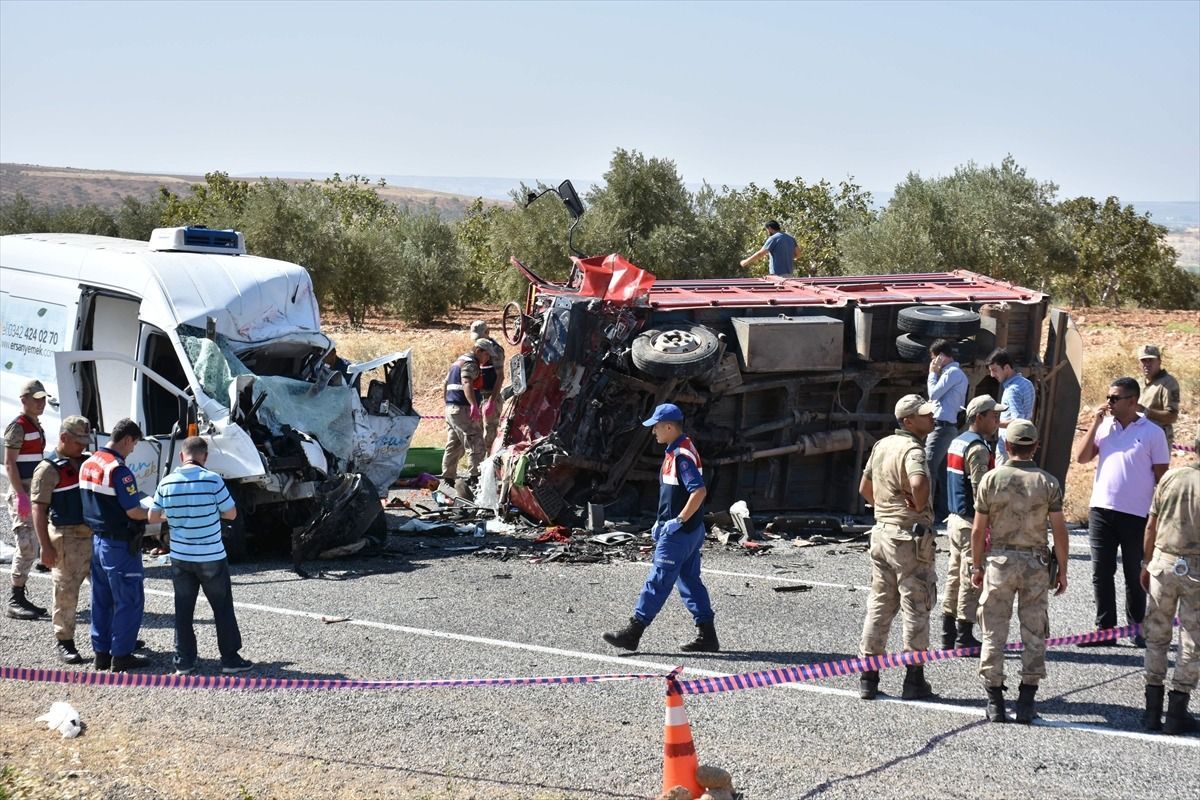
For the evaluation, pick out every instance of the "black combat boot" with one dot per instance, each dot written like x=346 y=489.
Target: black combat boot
x=67 y=653
x=1152 y=719
x=1178 y=720
x=915 y=685
x=1024 y=709
x=628 y=637
x=125 y=663
x=966 y=635
x=19 y=606
x=868 y=684
x=995 y=705
x=705 y=641
x=948 y=631
x=102 y=661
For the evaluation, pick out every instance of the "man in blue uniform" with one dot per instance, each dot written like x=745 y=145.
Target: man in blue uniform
x=678 y=537
x=112 y=509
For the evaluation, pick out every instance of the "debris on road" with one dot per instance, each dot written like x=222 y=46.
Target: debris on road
x=62 y=717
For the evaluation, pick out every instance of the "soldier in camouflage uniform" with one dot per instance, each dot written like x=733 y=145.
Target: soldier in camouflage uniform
x=65 y=538
x=1014 y=501
x=464 y=412
x=1172 y=578
x=969 y=458
x=896 y=483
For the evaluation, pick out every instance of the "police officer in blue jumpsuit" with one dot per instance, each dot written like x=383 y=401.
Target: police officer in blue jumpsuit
x=112 y=508
x=678 y=536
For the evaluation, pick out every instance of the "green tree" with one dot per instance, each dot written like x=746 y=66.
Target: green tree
x=1121 y=258
x=817 y=215
x=639 y=196
x=997 y=221
x=217 y=203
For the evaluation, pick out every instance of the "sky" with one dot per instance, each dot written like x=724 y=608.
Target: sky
x=1100 y=98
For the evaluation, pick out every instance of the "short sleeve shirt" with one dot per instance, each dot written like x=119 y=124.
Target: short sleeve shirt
x=893 y=460
x=45 y=479
x=781 y=248
x=1017 y=498
x=1177 y=505
x=1162 y=394
x=469 y=370
x=1125 y=470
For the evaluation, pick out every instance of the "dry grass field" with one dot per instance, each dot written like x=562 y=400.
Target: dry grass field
x=1110 y=338
x=66 y=186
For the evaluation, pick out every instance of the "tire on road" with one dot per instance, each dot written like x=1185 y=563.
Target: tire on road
x=682 y=351
x=943 y=322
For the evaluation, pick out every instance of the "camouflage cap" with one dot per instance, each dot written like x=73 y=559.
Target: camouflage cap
x=1148 y=351
x=77 y=426
x=982 y=404
x=479 y=329
x=33 y=389
x=1021 y=431
x=913 y=405
x=488 y=346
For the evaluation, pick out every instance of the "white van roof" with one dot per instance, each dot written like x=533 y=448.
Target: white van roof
x=253 y=299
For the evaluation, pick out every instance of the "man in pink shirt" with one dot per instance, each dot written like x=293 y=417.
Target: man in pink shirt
x=1133 y=455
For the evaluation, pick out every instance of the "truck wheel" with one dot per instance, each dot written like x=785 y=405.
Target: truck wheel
x=916 y=348
x=683 y=351
x=938 y=321
x=911 y=349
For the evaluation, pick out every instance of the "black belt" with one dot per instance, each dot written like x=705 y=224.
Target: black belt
x=945 y=422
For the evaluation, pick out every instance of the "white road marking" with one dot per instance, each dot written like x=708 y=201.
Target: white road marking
x=971 y=711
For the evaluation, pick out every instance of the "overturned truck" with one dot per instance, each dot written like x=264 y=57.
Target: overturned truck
x=787 y=383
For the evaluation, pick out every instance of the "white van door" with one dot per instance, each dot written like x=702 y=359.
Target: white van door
x=76 y=369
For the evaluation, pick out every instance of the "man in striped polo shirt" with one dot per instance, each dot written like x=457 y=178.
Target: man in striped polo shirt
x=193 y=501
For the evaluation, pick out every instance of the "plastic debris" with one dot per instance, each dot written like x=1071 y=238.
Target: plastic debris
x=62 y=717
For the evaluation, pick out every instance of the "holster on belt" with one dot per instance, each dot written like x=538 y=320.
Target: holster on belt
x=137 y=532
x=1053 y=568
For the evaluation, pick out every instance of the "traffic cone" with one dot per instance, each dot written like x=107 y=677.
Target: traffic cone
x=679 y=751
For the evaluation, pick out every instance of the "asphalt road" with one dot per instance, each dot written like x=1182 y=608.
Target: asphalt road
x=439 y=612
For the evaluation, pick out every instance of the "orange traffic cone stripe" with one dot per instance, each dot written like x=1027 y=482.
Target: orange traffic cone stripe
x=679 y=751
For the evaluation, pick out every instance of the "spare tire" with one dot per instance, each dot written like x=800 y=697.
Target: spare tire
x=944 y=322
x=681 y=351
x=916 y=348
x=911 y=349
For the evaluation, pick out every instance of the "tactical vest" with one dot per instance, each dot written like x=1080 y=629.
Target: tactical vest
x=33 y=448
x=960 y=494
x=672 y=494
x=98 y=491
x=455 y=396
x=66 y=505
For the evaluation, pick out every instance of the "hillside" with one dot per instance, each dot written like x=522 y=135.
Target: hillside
x=67 y=186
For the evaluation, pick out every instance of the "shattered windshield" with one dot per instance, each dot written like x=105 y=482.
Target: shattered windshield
x=324 y=413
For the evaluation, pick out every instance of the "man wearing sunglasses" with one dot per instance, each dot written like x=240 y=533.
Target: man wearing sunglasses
x=1132 y=456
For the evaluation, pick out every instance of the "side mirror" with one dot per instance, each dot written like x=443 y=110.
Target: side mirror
x=570 y=199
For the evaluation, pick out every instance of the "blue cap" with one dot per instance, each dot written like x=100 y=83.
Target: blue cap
x=667 y=412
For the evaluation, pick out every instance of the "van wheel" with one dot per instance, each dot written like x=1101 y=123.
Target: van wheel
x=684 y=351
x=943 y=322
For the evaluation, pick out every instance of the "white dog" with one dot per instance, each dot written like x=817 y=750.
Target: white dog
x=62 y=717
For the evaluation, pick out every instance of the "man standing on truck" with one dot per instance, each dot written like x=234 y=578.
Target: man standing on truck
x=65 y=538
x=112 y=509
x=947 y=385
x=1159 y=399
x=1016 y=392
x=24 y=446
x=493 y=382
x=779 y=246
x=464 y=414
x=896 y=482
x=1012 y=505
x=678 y=538
x=969 y=459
